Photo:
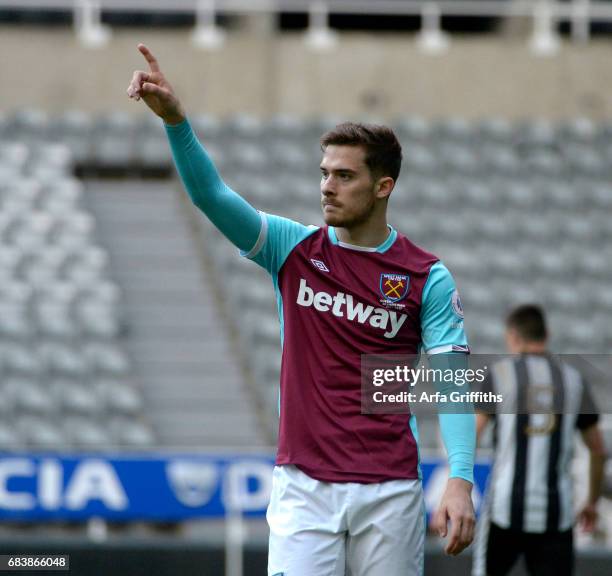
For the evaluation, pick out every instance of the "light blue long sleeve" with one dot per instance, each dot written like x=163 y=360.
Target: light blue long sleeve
x=227 y=210
x=458 y=429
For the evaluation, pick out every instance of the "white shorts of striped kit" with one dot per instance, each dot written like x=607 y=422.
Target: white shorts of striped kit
x=337 y=529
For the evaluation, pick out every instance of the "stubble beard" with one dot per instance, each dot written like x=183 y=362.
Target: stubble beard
x=337 y=221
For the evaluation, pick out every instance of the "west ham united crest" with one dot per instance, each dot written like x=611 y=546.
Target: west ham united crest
x=394 y=286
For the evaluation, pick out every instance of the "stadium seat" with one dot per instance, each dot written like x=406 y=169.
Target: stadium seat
x=78 y=398
x=14 y=322
x=9 y=437
x=130 y=433
x=85 y=433
x=491 y=130
x=106 y=359
x=41 y=433
x=63 y=360
x=120 y=397
x=30 y=396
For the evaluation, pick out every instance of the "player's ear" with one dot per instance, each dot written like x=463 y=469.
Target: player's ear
x=384 y=187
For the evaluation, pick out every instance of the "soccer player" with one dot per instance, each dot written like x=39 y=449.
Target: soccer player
x=528 y=509
x=346 y=489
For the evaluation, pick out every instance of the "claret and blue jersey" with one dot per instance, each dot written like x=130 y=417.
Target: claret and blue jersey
x=336 y=302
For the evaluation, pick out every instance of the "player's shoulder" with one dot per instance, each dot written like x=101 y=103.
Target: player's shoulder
x=416 y=255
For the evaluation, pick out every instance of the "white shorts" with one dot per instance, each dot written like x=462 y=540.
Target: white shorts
x=333 y=528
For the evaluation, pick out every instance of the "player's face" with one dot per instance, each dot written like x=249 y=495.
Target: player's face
x=348 y=191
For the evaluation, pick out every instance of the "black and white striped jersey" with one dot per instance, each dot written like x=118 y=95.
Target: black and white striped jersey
x=544 y=401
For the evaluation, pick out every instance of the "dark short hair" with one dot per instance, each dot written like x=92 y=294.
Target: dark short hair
x=529 y=321
x=383 y=152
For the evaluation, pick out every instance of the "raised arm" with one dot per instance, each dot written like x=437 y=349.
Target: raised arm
x=226 y=209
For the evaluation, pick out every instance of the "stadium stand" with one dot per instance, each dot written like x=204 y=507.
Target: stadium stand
x=65 y=372
x=497 y=201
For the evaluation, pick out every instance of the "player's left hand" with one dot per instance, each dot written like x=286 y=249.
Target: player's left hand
x=588 y=517
x=456 y=506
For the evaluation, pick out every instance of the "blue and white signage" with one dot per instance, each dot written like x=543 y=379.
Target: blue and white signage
x=154 y=486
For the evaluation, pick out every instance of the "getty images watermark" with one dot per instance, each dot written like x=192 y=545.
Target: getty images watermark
x=491 y=383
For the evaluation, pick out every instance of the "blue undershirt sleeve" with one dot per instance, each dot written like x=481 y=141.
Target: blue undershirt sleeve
x=456 y=419
x=227 y=210
x=444 y=339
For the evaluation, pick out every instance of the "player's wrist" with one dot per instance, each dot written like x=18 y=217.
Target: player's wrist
x=460 y=484
x=173 y=119
x=175 y=114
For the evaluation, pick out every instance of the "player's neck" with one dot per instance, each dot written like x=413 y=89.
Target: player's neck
x=368 y=234
x=533 y=348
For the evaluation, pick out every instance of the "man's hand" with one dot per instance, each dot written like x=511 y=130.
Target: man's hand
x=155 y=90
x=456 y=506
x=587 y=518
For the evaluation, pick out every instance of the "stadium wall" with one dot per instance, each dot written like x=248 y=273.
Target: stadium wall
x=262 y=75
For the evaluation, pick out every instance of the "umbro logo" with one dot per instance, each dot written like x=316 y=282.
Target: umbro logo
x=320 y=265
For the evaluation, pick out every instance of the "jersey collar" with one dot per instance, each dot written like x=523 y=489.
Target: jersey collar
x=331 y=232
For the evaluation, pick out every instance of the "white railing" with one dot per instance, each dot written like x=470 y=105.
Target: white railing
x=545 y=15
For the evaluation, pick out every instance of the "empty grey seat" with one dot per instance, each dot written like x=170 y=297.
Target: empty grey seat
x=286 y=127
x=58 y=292
x=31 y=396
x=564 y=297
x=103 y=292
x=556 y=194
x=9 y=437
x=11 y=261
x=551 y=264
x=582 y=130
x=266 y=366
x=85 y=433
x=479 y=296
x=113 y=139
x=594 y=264
x=457 y=129
x=62 y=360
x=106 y=358
x=244 y=127
x=290 y=157
x=536 y=133
x=98 y=321
x=498 y=130
x=420 y=159
x=73 y=129
x=501 y=159
x=14 y=322
x=517 y=193
x=600 y=296
x=414 y=128
x=208 y=128
x=21 y=360
x=78 y=398
x=543 y=161
x=54 y=320
x=584 y=159
x=120 y=397
x=131 y=433
x=62 y=197
x=40 y=433
x=154 y=153
x=15 y=154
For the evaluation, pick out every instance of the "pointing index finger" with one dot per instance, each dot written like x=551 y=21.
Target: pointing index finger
x=153 y=64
